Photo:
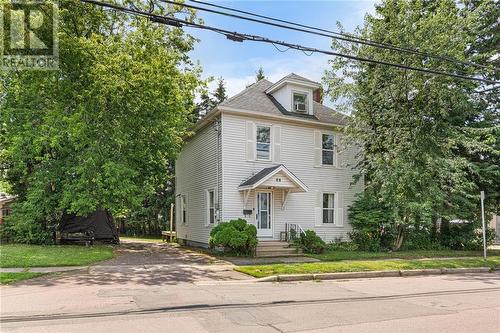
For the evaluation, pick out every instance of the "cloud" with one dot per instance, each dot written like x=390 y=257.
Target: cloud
x=311 y=67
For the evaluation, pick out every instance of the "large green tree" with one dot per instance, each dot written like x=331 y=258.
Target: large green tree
x=420 y=134
x=102 y=131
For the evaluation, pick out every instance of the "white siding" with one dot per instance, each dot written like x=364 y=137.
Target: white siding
x=284 y=96
x=196 y=171
x=298 y=155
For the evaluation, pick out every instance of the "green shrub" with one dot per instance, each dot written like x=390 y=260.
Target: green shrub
x=236 y=237
x=464 y=236
x=342 y=246
x=311 y=243
x=371 y=221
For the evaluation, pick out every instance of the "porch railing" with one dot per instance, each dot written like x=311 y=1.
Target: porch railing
x=292 y=232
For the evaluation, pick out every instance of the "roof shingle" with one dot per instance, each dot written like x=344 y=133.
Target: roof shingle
x=254 y=98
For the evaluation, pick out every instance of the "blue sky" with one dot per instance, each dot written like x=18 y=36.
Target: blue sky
x=238 y=62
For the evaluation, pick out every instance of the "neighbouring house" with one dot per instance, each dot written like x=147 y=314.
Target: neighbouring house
x=5 y=202
x=273 y=155
x=495 y=225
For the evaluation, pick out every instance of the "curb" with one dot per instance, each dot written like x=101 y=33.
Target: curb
x=372 y=274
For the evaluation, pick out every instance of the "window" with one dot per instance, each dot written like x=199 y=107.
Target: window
x=263 y=143
x=5 y=211
x=327 y=149
x=328 y=208
x=211 y=206
x=300 y=102
x=183 y=209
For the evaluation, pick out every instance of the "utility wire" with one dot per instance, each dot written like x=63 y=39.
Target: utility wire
x=324 y=32
x=240 y=37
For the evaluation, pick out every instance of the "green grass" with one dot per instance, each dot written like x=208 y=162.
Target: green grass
x=358 y=266
x=21 y=255
x=337 y=255
x=6 y=278
x=148 y=239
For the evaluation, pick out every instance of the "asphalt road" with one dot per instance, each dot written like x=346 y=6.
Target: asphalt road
x=445 y=303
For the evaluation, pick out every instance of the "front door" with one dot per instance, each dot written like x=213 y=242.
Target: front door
x=264 y=221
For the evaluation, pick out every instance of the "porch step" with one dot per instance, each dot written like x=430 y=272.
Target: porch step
x=276 y=249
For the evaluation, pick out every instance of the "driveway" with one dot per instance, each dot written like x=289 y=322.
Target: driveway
x=134 y=276
x=159 y=264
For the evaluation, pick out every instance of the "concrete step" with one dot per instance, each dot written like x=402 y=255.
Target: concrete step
x=280 y=246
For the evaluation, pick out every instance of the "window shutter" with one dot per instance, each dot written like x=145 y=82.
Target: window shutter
x=177 y=210
x=339 y=151
x=276 y=144
x=339 y=209
x=207 y=208
x=317 y=148
x=250 y=144
x=318 y=209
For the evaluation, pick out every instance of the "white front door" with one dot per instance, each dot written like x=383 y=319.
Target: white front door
x=264 y=214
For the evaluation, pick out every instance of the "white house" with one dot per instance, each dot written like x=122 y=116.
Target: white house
x=273 y=155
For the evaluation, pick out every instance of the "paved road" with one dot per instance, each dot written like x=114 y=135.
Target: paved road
x=445 y=303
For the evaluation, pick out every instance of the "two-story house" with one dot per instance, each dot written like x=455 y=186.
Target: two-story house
x=273 y=155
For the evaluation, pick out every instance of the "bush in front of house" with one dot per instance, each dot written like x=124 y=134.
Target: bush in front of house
x=25 y=229
x=345 y=246
x=235 y=237
x=311 y=243
x=464 y=236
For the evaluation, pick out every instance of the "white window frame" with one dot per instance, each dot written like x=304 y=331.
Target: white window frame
x=299 y=92
x=257 y=143
x=328 y=209
x=334 y=162
x=211 y=212
x=183 y=210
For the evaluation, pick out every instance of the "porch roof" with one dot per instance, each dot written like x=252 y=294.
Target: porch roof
x=262 y=178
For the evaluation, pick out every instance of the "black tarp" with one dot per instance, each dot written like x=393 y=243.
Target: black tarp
x=96 y=226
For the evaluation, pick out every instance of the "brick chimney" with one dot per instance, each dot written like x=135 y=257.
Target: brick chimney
x=318 y=96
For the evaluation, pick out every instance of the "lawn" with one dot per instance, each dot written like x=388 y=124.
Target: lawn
x=337 y=255
x=370 y=265
x=21 y=255
x=6 y=278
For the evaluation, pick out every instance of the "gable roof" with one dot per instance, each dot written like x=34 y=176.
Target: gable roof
x=266 y=173
x=293 y=76
x=259 y=176
x=254 y=98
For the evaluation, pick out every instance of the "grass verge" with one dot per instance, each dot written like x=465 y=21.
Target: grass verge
x=359 y=266
x=21 y=255
x=337 y=255
x=6 y=278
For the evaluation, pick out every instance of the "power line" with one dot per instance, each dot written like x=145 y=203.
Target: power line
x=240 y=37
x=324 y=32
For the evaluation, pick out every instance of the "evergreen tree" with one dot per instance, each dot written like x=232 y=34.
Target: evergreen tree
x=259 y=75
x=219 y=94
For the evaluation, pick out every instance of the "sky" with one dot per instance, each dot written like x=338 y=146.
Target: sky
x=237 y=62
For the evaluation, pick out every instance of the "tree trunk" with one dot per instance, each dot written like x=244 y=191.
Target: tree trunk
x=399 y=239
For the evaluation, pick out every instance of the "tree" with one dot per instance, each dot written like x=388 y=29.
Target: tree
x=220 y=92
x=415 y=129
x=101 y=131
x=205 y=105
x=259 y=75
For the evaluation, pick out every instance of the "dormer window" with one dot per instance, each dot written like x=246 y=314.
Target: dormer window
x=300 y=102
